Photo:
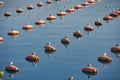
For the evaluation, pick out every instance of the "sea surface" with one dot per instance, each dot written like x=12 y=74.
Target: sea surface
x=66 y=61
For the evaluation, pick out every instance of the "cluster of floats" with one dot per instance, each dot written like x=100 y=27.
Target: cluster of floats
x=33 y=58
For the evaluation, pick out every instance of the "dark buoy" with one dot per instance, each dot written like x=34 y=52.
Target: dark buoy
x=117 y=11
x=114 y=14
x=13 y=32
x=1 y=39
x=40 y=22
x=28 y=27
x=89 y=70
x=40 y=4
x=108 y=18
x=61 y=14
x=19 y=10
x=91 y=1
x=104 y=59
x=65 y=41
x=7 y=14
x=30 y=7
x=116 y=49
x=49 y=47
x=1 y=2
x=85 y=4
x=78 y=7
x=98 y=22
x=48 y=1
x=12 y=68
x=88 y=27
x=51 y=18
x=70 y=10
x=78 y=34
x=32 y=58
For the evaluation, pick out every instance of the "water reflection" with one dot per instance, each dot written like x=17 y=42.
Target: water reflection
x=14 y=36
x=49 y=53
x=58 y=0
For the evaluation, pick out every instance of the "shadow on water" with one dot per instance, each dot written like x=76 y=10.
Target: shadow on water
x=49 y=53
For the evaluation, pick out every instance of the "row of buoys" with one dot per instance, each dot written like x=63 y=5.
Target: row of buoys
x=29 y=7
x=112 y=15
x=40 y=4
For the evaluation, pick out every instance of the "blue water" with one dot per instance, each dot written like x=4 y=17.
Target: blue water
x=65 y=62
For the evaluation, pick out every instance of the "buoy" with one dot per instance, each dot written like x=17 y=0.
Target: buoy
x=19 y=11
x=12 y=68
x=78 y=7
x=32 y=58
x=70 y=10
x=1 y=2
x=88 y=27
x=91 y=1
x=40 y=22
x=48 y=1
x=61 y=13
x=104 y=59
x=28 y=27
x=114 y=14
x=117 y=11
x=89 y=70
x=57 y=0
x=85 y=4
x=65 y=40
x=107 y=18
x=71 y=78
x=98 y=22
x=49 y=47
x=1 y=39
x=13 y=32
x=116 y=49
x=40 y=4
x=78 y=34
x=7 y=14
x=51 y=18
x=30 y=7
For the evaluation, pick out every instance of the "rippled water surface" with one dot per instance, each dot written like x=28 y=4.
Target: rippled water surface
x=66 y=61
